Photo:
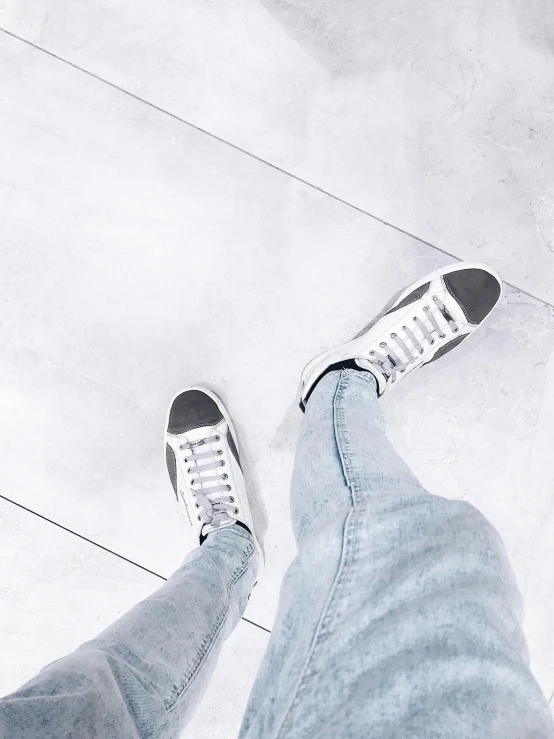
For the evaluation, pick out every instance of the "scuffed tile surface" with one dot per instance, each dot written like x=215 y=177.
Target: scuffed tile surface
x=58 y=591
x=438 y=118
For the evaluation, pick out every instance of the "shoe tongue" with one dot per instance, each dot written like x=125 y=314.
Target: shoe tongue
x=195 y=435
x=208 y=527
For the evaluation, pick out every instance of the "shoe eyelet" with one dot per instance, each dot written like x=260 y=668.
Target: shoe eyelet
x=218 y=437
x=421 y=351
x=432 y=342
x=382 y=344
x=231 y=499
x=404 y=328
x=426 y=308
x=372 y=354
x=393 y=336
x=220 y=451
x=228 y=487
x=199 y=518
x=455 y=330
x=442 y=336
x=435 y=298
x=222 y=463
x=192 y=482
x=415 y=318
x=402 y=371
x=197 y=506
x=225 y=475
x=236 y=511
x=188 y=469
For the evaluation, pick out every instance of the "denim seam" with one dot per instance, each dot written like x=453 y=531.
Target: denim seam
x=343 y=445
x=321 y=629
x=207 y=643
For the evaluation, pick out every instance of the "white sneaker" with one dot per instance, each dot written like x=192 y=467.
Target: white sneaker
x=204 y=465
x=429 y=319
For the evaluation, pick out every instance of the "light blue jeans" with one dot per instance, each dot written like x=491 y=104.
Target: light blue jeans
x=399 y=617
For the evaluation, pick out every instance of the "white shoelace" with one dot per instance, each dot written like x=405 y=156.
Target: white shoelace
x=390 y=363
x=210 y=511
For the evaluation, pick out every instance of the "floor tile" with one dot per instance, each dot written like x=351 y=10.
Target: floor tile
x=140 y=256
x=58 y=591
x=436 y=118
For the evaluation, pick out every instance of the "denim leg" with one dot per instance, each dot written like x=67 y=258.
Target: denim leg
x=143 y=677
x=400 y=616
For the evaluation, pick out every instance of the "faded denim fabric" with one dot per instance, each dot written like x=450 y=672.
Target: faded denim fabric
x=399 y=617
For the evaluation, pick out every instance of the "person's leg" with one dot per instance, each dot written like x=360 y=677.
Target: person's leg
x=400 y=615
x=143 y=677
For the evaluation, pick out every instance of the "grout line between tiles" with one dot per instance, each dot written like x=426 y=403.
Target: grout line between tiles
x=105 y=549
x=251 y=155
x=90 y=541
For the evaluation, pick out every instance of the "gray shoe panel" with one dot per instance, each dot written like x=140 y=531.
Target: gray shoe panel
x=447 y=347
x=475 y=290
x=416 y=294
x=233 y=447
x=171 y=463
x=193 y=409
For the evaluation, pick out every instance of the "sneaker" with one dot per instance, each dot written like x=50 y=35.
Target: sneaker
x=204 y=465
x=428 y=320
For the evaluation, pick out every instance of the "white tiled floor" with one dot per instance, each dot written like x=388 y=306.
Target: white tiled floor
x=435 y=117
x=139 y=255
